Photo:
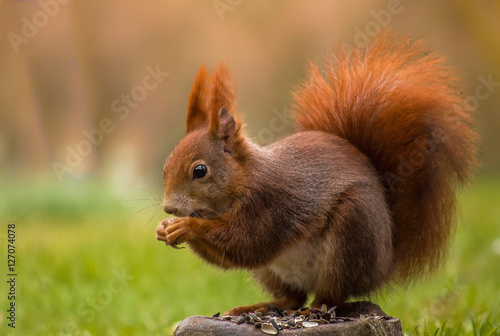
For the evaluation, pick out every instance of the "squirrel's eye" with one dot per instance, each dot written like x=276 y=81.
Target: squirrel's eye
x=199 y=171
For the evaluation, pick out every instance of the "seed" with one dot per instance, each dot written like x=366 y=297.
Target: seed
x=254 y=316
x=273 y=322
x=323 y=308
x=240 y=319
x=269 y=329
x=319 y=321
x=308 y=324
x=216 y=315
x=278 y=310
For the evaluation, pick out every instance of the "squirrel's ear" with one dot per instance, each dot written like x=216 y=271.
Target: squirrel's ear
x=197 y=113
x=221 y=96
x=228 y=129
x=224 y=123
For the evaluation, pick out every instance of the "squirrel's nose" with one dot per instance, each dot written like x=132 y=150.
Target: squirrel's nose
x=169 y=209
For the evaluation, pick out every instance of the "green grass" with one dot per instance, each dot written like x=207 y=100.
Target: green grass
x=464 y=298
x=87 y=265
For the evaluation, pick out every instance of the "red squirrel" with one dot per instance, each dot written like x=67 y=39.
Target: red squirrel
x=363 y=194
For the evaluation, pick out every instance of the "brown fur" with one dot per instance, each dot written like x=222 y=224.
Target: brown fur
x=399 y=105
x=362 y=193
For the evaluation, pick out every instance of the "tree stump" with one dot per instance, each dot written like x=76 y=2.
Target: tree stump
x=355 y=318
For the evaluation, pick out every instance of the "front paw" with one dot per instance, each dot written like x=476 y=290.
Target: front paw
x=179 y=230
x=161 y=231
x=259 y=307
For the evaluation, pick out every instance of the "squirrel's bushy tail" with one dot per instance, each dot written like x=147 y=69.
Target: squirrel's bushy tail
x=399 y=105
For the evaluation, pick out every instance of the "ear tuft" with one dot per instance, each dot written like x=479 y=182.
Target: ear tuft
x=197 y=113
x=222 y=92
x=221 y=96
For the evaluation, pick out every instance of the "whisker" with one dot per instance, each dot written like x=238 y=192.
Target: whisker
x=145 y=190
x=155 y=207
x=145 y=208
x=144 y=199
x=154 y=214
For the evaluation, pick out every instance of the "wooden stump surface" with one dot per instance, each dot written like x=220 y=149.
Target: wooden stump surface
x=366 y=319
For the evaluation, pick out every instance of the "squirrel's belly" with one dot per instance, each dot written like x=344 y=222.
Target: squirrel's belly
x=297 y=266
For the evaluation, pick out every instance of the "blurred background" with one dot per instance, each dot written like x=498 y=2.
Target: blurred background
x=64 y=64
x=93 y=96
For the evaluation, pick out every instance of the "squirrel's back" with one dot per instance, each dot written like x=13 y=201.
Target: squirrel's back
x=399 y=105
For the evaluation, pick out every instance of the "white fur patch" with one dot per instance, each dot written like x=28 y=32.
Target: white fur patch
x=297 y=265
